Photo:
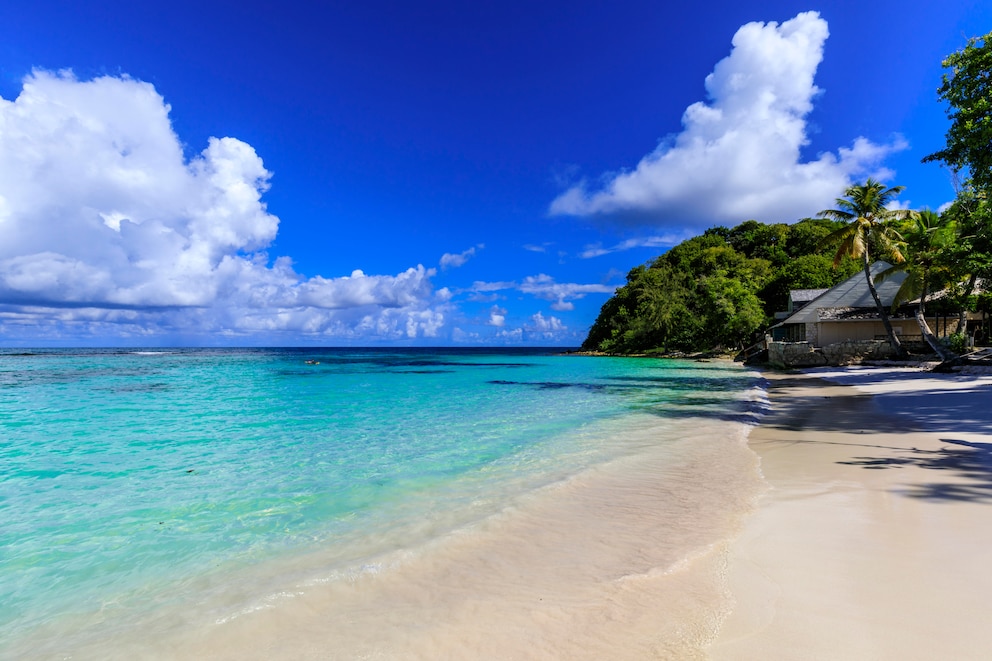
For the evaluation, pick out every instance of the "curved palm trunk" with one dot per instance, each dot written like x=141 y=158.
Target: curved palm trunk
x=893 y=340
x=921 y=320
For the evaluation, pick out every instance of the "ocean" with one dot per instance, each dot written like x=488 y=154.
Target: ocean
x=367 y=503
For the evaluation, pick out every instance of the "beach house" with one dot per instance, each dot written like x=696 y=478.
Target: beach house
x=844 y=312
x=841 y=325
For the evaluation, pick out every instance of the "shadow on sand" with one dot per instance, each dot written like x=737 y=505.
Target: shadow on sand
x=808 y=404
x=971 y=464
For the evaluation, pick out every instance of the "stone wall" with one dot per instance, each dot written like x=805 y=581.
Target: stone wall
x=849 y=352
x=795 y=354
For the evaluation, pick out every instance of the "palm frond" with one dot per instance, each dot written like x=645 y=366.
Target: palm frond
x=836 y=214
x=857 y=245
x=911 y=288
x=888 y=273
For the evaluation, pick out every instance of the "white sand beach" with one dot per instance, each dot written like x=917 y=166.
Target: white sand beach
x=874 y=537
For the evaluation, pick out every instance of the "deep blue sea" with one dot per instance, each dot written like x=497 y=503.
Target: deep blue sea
x=138 y=483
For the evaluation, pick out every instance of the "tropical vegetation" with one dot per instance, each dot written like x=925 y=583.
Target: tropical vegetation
x=716 y=290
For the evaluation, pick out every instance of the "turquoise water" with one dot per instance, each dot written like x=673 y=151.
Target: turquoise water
x=130 y=476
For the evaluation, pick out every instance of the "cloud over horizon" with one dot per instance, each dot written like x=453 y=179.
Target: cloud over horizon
x=106 y=226
x=739 y=155
x=544 y=287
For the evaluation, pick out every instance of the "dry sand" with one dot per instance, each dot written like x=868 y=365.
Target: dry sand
x=874 y=539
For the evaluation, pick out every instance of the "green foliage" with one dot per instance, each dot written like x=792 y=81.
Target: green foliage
x=810 y=271
x=972 y=215
x=967 y=88
x=716 y=290
x=868 y=231
x=957 y=342
x=967 y=258
x=927 y=241
x=807 y=236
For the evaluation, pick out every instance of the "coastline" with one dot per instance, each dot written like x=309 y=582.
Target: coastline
x=617 y=553
x=872 y=539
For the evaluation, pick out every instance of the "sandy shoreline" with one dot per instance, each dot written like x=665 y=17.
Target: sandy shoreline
x=864 y=536
x=872 y=541
x=624 y=559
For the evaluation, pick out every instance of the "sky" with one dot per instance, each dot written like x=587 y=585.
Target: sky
x=427 y=173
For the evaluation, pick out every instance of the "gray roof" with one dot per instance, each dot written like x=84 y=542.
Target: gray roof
x=858 y=314
x=800 y=295
x=852 y=293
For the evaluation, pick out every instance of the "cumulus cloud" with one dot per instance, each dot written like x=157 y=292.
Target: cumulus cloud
x=449 y=260
x=106 y=226
x=497 y=316
x=539 y=328
x=546 y=325
x=738 y=156
x=513 y=336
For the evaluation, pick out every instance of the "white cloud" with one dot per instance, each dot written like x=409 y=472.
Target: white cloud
x=497 y=316
x=549 y=325
x=738 y=156
x=665 y=241
x=107 y=229
x=481 y=286
x=514 y=336
x=541 y=286
x=540 y=328
x=543 y=247
x=544 y=287
x=449 y=260
x=459 y=335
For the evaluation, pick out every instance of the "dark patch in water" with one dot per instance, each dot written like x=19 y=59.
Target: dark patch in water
x=421 y=371
x=140 y=387
x=703 y=383
x=553 y=385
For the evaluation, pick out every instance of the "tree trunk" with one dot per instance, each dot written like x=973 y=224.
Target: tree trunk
x=967 y=293
x=921 y=319
x=893 y=340
x=935 y=344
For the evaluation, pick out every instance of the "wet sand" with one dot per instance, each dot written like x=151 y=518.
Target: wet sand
x=873 y=539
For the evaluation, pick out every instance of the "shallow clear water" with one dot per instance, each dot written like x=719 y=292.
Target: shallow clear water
x=130 y=478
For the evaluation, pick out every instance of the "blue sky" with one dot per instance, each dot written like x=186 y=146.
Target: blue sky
x=435 y=173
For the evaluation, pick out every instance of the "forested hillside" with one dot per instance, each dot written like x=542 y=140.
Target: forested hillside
x=717 y=290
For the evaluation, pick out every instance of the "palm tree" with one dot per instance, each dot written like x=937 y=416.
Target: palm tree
x=869 y=227
x=927 y=238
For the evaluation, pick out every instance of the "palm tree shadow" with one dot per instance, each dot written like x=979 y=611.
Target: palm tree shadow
x=957 y=411
x=969 y=464
x=962 y=468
